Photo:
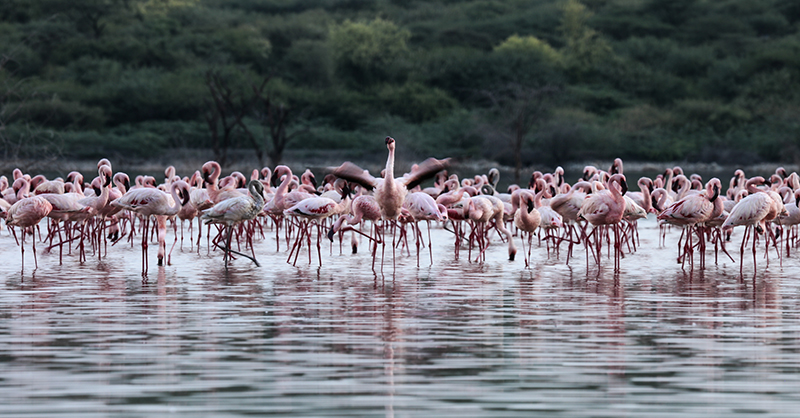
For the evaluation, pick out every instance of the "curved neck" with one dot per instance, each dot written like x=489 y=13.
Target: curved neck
x=173 y=190
x=751 y=184
x=255 y=193
x=285 y=183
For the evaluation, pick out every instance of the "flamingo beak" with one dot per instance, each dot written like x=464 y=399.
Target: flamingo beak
x=716 y=193
x=624 y=185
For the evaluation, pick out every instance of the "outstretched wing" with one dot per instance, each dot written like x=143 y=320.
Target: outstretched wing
x=424 y=170
x=356 y=174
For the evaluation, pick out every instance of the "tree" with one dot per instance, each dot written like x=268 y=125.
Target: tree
x=518 y=109
x=26 y=144
x=364 y=53
x=275 y=116
x=584 y=48
x=225 y=110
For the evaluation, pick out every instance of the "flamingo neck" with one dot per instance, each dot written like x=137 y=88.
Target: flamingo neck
x=388 y=175
x=751 y=185
x=175 y=207
x=284 y=184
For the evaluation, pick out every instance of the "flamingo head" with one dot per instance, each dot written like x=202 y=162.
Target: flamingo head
x=96 y=185
x=104 y=161
x=18 y=185
x=211 y=171
x=346 y=190
x=390 y=143
x=181 y=188
x=278 y=174
x=122 y=179
x=715 y=185
x=105 y=173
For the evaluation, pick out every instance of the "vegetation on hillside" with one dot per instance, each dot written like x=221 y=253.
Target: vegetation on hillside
x=517 y=81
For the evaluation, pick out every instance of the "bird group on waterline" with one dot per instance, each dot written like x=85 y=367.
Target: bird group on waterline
x=597 y=209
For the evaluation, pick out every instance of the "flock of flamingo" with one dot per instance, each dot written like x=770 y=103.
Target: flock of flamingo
x=598 y=210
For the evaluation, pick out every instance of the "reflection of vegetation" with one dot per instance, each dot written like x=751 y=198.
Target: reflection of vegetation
x=650 y=79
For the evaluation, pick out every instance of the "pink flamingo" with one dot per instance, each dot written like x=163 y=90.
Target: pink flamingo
x=551 y=220
x=66 y=209
x=98 y=203
x=568 y=205
x=752 y=212
x=605 y=208
x=363 y=208
x=27 y=213
x=314 y=210
x=691 y=211
x=147 y=202
x=422 y=207
x=390 y=192
x=792 y=217
x=527 y=219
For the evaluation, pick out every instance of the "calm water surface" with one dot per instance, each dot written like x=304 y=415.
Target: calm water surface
x=453 y=339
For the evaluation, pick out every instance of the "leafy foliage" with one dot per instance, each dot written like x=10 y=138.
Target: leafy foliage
x=648 y=79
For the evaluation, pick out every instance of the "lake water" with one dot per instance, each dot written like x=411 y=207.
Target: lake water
x=454 y=339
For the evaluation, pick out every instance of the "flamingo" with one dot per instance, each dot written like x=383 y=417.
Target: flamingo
x=751 y=212
x=98 y=202
x=527 y=219
x=26 y=213
x=149 y=201
x=422 y=207
x=792 y=204
x=691 y=211
x=390 y=192
x=235 y=211
x=551 y=220
x=363 y=207
x=314 y=209
x=605 y=208
x=568 y=205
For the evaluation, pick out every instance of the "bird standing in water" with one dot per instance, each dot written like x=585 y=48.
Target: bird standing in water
x=234 y=211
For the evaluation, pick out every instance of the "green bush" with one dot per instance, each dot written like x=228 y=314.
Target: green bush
x=54 y=113
x=720 y=117
x=415 y=102
x=94 y=144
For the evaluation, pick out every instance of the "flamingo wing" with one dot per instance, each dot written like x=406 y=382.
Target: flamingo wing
x=231 y=210
x=749 y=210
x=139 y=198
x=315 y=207
x=356 y=174
x=425 y=170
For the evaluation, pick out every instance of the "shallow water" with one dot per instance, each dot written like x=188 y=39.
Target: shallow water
x=453 y=339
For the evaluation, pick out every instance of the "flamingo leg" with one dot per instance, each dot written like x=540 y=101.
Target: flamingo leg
x=22 y=247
